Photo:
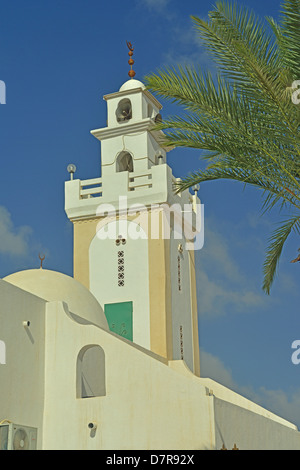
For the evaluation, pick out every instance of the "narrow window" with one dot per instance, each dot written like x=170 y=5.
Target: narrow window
x=181 y=341
x=179 y=272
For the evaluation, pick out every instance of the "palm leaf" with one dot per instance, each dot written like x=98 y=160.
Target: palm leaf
x=290 y=36
x=244 y=117
x=277 y=242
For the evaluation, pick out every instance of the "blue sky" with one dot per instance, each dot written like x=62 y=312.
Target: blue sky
x=58 y=59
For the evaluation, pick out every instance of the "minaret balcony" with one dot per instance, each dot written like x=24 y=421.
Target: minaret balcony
x=147 y=187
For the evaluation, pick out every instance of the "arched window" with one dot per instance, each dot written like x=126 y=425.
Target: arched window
x=124 y=162
x=124 y=111
x=90 y=373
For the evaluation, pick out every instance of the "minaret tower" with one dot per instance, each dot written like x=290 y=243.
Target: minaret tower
x=129 y=249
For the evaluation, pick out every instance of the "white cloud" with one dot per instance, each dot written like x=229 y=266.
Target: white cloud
x=156 y=4
x=285 y=405
x=217 y=299
x=193 y=57
x=189 y=49
x=286 y=282
x=216 y=252
x=14 y=241
x=222 y=285
x=213 y=368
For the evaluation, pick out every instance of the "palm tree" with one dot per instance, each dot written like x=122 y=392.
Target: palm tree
x=244 y=117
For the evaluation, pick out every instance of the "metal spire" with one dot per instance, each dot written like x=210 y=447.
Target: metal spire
x=131 y=72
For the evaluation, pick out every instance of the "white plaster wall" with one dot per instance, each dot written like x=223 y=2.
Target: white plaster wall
x=22 y=377
x=238 y=426
x=141 y=145
x=223 y=393
x=135 y=143
x=139 y=102
x=149 y=105
x=103 y=262
x=147 y=404
x=116 y=184
x=153 y=147
x=136 y=103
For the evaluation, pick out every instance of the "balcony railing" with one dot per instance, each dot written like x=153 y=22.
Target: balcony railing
x=90 y=188
x=140 y=180
x=93 y=187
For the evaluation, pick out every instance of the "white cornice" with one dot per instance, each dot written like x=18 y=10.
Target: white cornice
x=131 y=128
x=130 y=92
x=137 y=127
x=123 y=129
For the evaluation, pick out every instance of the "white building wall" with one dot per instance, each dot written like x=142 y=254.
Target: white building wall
x=147 y=404
x=22 y=376
x=245 y=429
x=132 y=143
x=162 y=406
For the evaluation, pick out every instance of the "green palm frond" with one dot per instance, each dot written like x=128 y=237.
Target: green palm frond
x=290 y=35
x=240 y=44
x=273 y=191
x=243 y=117
x=277 y=242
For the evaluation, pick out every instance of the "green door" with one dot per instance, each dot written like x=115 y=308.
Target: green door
x=119 y=318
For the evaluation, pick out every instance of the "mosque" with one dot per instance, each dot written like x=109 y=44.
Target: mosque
x=109 y=359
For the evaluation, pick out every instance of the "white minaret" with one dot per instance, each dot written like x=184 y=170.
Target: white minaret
x=143 y=278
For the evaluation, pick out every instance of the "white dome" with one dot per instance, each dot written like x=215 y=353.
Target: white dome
x=131 y=85
x=52 y=285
